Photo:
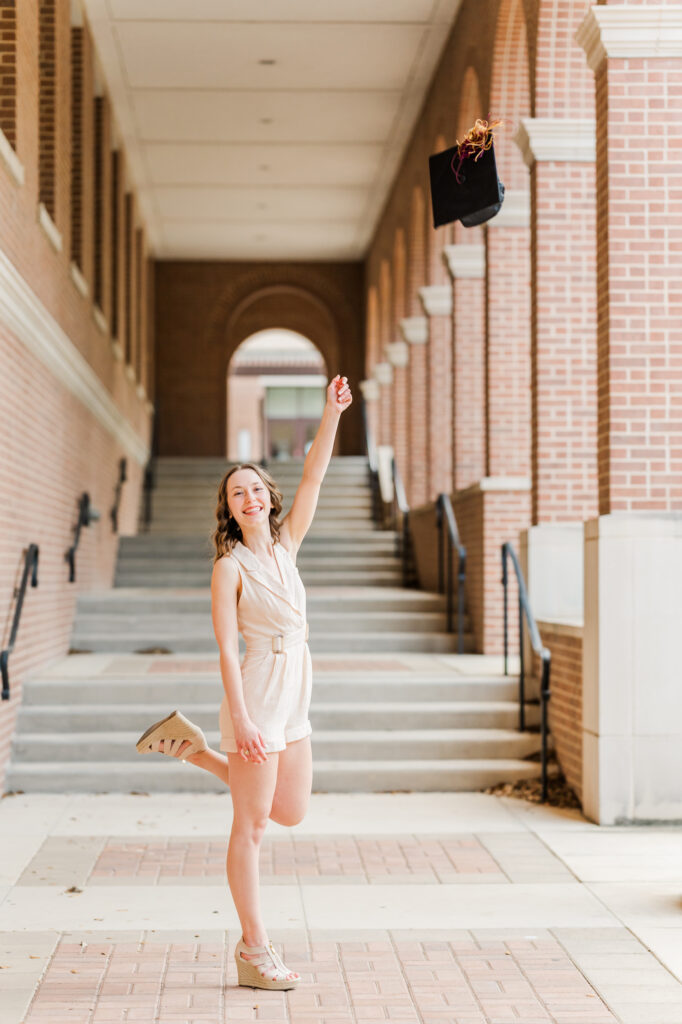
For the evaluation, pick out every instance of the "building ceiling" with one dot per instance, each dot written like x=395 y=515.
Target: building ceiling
x=266 y=129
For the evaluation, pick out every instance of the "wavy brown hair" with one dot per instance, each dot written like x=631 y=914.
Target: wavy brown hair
x=227 y=532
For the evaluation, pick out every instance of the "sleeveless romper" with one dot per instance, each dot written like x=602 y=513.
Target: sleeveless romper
x=277 y=672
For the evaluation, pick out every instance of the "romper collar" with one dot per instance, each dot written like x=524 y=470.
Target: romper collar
x=261 y=575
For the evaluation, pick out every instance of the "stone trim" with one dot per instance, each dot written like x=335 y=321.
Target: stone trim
x=79 y=281
x=23 y=313
x=465 y=261
x=50 y=228
x=515 y=212
x=100 y=319
x=130 y=371
x=630 y=31
x=571 y=140
x=398 y=353
x=495 y=483
x=12 y=161
x=383 y=373
x=369 y=389
x=415 y=330
x=436 y=299
x=117 y=350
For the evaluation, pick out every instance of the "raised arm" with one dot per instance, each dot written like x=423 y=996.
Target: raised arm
x=297 y=521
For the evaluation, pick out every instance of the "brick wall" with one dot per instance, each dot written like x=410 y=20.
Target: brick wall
x=565 y=707
x=55 y=445
x=204 y=310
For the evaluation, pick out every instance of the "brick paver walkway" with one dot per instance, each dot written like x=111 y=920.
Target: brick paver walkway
x=468 y=980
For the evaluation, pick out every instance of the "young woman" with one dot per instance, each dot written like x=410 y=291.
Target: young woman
x=264 y=724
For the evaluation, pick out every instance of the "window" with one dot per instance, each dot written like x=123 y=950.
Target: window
x=98 y=212
x=115 y=239
x=47 y=105
x=8 y=71
x=77 y=147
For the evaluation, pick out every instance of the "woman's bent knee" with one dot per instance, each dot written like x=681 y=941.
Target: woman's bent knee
x=251 y=829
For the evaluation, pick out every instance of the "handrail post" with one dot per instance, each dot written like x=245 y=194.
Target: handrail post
x=505 y=613
x=522 y=672
x=461 y=576
x=439 y=528
x=545 y=694
x=448 y=549
x=30 y=566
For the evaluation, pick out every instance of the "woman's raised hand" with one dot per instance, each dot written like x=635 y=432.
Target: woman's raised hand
x=338 y=394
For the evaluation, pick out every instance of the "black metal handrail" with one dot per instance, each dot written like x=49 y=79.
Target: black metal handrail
x=86 y=515
x=30 y=567
x=122 y=477
x=446 y=523
x=401 y=524
x=537 y=645
x=373 y=468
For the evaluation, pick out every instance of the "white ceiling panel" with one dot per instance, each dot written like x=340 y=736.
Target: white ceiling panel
x=270 y=129
x=280 y=164
x=260 y=204
x=224 y=116
x=273 y=10
x=196 y=55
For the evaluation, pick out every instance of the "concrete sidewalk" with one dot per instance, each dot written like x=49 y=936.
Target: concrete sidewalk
x=443 y=908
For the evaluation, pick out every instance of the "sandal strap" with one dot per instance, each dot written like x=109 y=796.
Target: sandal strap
x=259 y=958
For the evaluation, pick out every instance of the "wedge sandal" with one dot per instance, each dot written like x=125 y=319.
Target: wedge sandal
x=266 y=970
x=173 y=730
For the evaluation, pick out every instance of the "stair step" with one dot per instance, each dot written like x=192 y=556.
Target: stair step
x=352 y=722
x=137 y=600
x=337 y=578
x=330 y=643
x=186 y=690
x=162 y=623
x=329 y=776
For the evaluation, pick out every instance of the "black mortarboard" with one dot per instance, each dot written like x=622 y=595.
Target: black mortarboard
x=475 y=197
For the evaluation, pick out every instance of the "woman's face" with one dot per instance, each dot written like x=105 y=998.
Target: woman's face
x=248 y=498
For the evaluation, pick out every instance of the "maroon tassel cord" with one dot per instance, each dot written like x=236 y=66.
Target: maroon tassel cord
x=476 y=141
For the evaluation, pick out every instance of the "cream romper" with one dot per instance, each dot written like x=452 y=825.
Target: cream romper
x=277 y=671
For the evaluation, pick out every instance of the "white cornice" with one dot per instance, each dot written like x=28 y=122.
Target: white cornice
x=22 y=312
x=464 y=261
x=630 y=30
x=369 y=389
x=515 y=212
x=556 y=138
x=383 y=373
x=398 y=353
x=436 y=299
x=415 y=330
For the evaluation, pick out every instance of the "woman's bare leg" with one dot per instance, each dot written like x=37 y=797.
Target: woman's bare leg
x=252 y=790
x=209 y=759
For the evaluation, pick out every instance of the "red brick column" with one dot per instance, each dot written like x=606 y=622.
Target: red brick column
x=383 y=374
x=437 y=302
x=507 y=378
x=466 y=264
x=399 y=357
x=636 y=54
x=414 y=330
x=560 y=155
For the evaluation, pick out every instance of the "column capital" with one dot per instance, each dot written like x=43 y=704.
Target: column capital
x=398 y=353
x=464 y=260
x=369 y=389
x=415 y=330
x=652 y=30
x=436 y=299
x=557 y=138
x=515 y=212
x=383 y=373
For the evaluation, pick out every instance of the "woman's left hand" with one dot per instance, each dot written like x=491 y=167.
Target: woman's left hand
x=338 y=394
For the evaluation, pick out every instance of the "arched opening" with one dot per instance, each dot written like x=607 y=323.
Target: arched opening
x=276 y=392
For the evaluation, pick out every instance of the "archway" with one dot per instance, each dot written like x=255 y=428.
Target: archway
x=276 y=391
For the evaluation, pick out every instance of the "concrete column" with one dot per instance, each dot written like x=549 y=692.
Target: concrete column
x=466 y=265
x=414 y=330
x=632 y=713
x=437 y=302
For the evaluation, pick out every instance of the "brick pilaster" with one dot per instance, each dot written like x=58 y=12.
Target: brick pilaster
x=415 y=332
x=560 y=155
x=437 y=302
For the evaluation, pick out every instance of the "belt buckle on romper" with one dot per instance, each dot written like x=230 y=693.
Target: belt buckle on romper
x=278 y=643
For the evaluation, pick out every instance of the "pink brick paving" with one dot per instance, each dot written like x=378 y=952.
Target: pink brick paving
x=466 y=980
x=437 y=859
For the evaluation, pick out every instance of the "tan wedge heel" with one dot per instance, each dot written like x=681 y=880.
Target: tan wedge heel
x=174 y=729
x=268 y=971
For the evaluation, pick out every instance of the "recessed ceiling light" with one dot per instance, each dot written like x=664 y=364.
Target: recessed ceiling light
x=266 y=120
x=264 y=167
x=267 y=61
x=262 y=206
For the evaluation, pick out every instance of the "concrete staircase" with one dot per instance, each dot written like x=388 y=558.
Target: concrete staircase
x=390 y=708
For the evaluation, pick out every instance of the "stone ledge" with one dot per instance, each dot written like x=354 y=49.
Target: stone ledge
x=630 y=31
x=569 y=140
x=12 y=161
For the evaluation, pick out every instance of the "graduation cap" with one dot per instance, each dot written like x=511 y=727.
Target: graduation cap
x=464 y=181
